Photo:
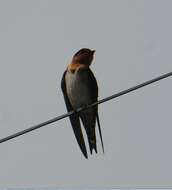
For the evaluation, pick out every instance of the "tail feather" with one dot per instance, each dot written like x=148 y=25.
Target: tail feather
x=89 y=120
x=92 y=141
x=100 y=133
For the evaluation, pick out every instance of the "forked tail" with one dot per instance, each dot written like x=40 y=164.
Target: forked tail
x=98 y=122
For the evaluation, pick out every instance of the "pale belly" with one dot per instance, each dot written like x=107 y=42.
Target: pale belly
x=78 y=92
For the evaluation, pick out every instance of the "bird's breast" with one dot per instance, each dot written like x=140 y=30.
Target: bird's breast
x=77 y=89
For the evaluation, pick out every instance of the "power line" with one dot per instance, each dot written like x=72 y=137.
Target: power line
x=84 y=108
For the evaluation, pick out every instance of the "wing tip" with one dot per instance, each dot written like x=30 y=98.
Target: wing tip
x=85 y=155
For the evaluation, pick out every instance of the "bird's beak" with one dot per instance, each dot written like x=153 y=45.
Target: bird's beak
x=93 y=51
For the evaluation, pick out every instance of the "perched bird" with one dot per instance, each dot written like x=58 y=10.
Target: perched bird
x=80 y=89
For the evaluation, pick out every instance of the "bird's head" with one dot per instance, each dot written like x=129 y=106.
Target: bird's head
x=84 y=56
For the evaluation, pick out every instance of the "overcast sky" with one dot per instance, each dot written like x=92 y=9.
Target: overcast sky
x=133 y=44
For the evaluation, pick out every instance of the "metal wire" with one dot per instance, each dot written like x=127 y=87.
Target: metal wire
x=84 y=108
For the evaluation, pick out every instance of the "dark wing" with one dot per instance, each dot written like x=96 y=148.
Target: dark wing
x=74 y=119
x=94 y=89
x=93 y=86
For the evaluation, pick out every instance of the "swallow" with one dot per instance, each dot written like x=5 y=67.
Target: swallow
x=79 y=87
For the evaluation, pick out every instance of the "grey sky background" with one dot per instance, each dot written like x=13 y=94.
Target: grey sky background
x=133 y=44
